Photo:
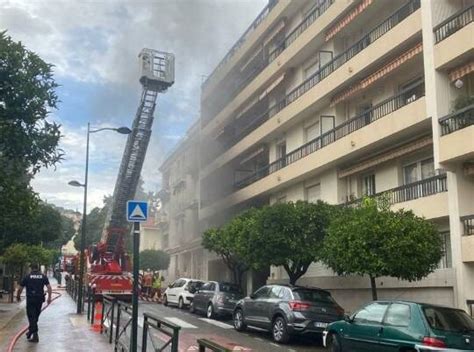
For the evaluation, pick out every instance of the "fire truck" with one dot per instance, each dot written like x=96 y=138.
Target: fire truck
x=108 y=264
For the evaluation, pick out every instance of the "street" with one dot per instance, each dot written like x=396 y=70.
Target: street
x=194 y=326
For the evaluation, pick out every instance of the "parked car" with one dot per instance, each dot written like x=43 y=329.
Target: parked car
x=402 y=326
x=216 y=299
x=287 y=310
x=181 y=292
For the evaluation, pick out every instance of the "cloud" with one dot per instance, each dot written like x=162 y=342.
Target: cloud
x=94 y=46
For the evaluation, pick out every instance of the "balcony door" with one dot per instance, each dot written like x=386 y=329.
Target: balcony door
x=415 y=172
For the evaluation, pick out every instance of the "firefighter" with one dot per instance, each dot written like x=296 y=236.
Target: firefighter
x=148 y=282
x=157 y=286
x=34 y=283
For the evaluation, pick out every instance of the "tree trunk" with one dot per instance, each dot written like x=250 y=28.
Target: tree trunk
x=373 y=286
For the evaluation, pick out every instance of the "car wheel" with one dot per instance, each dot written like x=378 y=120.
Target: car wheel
x=239 y=324
x=191 y=307
x=165 y=300
x=333 y=343
x=279 y=330
x=180 y=303
x=210 y=311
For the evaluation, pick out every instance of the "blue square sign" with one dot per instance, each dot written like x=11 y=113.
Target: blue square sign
x=137 y=211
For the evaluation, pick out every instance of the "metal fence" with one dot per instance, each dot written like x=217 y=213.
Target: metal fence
x=380 y=110
x=453 y=24
x=159 y=334
x=109 y=305
x=457 y=120
x=123 y=327
x=468 y=225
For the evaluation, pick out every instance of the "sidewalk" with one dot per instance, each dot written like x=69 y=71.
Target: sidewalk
x=60 y=329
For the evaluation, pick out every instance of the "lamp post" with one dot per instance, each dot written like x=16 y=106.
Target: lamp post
x=74 y=183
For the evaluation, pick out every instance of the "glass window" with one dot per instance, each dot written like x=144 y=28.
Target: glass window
x=212 y=286
x=275 y=292
x=371 y=314
x=418 y=171
x=231 y=288
x=448 y=319
x=311 y=69
x=313 y=295
x=427 y=168
x=206 y=287
x=398 y=315
x=262 y=292
x=446 y=261
x=311 y=132
x=313 y=193
x=368 y=185
x=281 y=199
x=410 y=173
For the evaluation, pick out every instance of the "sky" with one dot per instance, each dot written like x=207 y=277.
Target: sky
x=94 y=46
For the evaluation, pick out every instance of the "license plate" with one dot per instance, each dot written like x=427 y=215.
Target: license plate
x=320 y=325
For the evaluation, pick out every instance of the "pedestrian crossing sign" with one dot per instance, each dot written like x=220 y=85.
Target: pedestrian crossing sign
x=137 y=211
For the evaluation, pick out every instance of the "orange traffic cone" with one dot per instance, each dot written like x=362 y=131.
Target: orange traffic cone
x=97 y=317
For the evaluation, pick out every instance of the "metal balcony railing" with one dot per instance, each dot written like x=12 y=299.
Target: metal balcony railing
x=453 y=24
x=457 y=120
x=330 y=67
x=468 y=224
x=380 y=110
x=411 y=191
x=261 y=16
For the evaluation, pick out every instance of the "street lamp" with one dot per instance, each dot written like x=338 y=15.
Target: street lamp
x=74 y=183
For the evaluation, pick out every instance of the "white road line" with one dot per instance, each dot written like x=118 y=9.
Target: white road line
x=274 y=344
x=217 y=323
x=181 y=323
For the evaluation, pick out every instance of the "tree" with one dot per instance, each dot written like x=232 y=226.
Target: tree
x=375 y=241
x=154 y=260
x=230 y=242
x=289 y=235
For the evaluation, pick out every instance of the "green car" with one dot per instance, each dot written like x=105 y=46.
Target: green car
x=401 y=326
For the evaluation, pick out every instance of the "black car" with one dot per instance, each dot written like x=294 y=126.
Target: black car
x=216 y=299
x=287 y=310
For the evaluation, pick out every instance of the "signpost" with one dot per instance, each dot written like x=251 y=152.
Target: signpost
x=136 y=212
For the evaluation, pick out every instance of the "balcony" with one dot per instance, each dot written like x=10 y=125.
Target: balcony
x=378 y=111
x=410 y=196
x=359 y=57
x=241 y=81
x=467 y=241
x=453 y=39
x=457 y=135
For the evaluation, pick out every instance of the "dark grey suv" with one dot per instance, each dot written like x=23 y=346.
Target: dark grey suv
x=216 y=298
x=287 y=310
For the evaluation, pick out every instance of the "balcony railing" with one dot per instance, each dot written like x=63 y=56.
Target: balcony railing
x=263 y=14
x=412 y=191
x=468 y=224
x=380 y=110
x=330 y=67
x=453 y=24
x=457 y=120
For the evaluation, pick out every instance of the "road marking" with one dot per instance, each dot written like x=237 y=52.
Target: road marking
x=217 y=323
x=274 y=344
x=180 y=323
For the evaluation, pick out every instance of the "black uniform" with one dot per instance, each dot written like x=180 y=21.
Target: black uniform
x=34 y=283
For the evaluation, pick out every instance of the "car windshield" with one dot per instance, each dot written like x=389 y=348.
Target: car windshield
x=448 y=319
x=312 y=295
x=229 y=288
x=195 y=284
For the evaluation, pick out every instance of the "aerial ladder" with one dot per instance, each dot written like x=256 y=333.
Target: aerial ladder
x=108 y=263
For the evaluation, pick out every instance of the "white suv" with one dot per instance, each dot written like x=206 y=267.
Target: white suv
x=181 y=292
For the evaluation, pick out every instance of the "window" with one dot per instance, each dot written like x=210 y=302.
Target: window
x=179 y=283
x=313 y=295
x=281 y=199
x=206 y=287
x=448 y=319
x=372 y=314
x=276 y=292
x=231 y=288
x=313 y=193
x=311 y=69
x=398 y=315
x=212 y=286
x=311 y=132
x=446 y=261
x=418 y=171
x=261 y=293
x=368 y=185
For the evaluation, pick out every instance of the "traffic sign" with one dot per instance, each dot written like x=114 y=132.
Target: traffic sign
x=137 y=211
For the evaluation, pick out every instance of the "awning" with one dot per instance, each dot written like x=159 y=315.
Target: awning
x=392 y=65
x=387 y=156
x=347 y=19
x=276 y=29
x=461 y=71
x=272 y=86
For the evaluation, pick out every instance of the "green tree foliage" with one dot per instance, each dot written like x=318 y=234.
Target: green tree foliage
x=375 y=241
x=231 y=241
x=28 y=141
x=18 y=255
x=154 y=260
x=289 y=235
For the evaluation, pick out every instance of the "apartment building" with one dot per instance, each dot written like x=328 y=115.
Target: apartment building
x=177 y=217
x=336 y=99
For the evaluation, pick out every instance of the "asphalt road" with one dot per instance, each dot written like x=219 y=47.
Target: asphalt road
x=195 y=326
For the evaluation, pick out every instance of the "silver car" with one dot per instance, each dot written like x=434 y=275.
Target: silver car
x=216 y=299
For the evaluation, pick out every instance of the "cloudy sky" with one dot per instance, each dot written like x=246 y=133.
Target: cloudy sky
x=94 y=47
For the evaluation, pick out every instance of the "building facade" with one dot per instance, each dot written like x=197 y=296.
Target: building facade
x=177 y=217
x=337 y=99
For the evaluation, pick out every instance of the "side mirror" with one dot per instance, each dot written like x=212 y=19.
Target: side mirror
x=347 y=318
x=170 y=286
x=252 y=296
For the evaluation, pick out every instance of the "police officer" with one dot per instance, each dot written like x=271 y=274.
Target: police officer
x=34 y=283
